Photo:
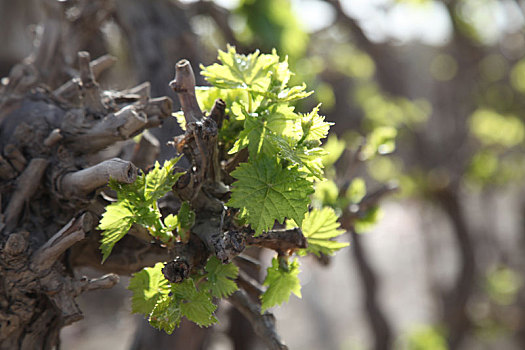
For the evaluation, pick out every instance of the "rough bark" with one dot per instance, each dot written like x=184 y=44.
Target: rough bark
x=49 y=185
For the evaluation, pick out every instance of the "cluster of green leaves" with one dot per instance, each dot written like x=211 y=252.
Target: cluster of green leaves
x=285 y=157
x=137 y=204
x=165 y=303
x=275 y=184
x=283 y=145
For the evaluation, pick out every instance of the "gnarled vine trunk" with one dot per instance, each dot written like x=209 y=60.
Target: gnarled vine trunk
x=52 y=133
x=51 y=168
x=61 y=139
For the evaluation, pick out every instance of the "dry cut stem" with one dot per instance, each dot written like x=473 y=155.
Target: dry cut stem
x=184 y=86
x=97 y=67
x=71 y=233
x=83 y=182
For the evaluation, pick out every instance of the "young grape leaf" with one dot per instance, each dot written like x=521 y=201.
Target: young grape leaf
x=254 y=136
x=131 y=207
x=183 y=300
x=293 y=94
x=240 y=71
x=312 y=160
x=206 y=96
x=137 y=203
x=281 y=284
x=313 y=125
x=319 y=227
x=269 y=192
x=133 y=192
x=308 y=159
x=276 y=130
x=171 y=222
x=220 y=278
x=181 y=120
x=148 y=287
x=259 y=128
x=260 y=74
x=166 y=315
x=194 y=304
x=276 y=94
x=182 y=222
x=160 y=180
x=186 y=218
x=115 y=223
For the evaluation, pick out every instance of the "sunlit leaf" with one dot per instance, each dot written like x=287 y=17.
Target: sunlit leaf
x=320 y=227
x=281 y=283
x=148 y=286
x=269 y=192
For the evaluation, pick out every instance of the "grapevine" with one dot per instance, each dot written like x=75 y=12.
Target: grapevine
x=254 y=164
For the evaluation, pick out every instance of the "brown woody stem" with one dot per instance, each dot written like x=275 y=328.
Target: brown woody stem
x=263 y=324
x=281 y=241
x=83 y=182
x=27 y=184
x=97 y=67
x=104 y=282
x=6 y=170
x=90 y=87
x=184 y=86
x=15 y=157
x=71 y=233
x=118 y=126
